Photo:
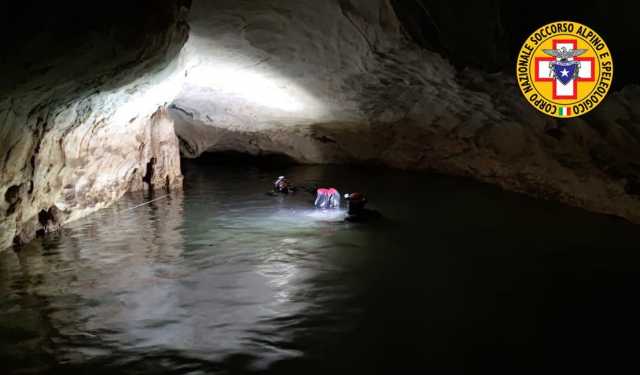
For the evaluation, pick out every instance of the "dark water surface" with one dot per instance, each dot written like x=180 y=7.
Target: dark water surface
x=460 y=278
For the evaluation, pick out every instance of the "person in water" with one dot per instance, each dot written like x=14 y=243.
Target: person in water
x=327 y=198
x=283 y=186
x=356 y=211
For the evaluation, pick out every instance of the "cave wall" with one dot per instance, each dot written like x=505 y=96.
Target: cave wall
x=90 y=97
x=83 y=108
x=349 y=81
x=305 y=78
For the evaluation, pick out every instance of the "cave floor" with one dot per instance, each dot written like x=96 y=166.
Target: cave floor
x=458 y=276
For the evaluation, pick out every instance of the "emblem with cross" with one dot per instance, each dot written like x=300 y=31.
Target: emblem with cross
x=564 y=70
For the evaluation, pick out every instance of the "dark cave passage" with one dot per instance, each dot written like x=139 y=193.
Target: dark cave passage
x=270 y=161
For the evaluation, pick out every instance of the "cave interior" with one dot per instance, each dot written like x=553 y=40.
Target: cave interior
x=101 y=100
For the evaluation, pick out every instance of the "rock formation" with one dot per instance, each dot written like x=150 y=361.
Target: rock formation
x=319 y=81
x=341 y=81
x=82 y=112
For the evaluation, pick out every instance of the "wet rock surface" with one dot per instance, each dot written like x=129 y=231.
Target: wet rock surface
x=82 y=108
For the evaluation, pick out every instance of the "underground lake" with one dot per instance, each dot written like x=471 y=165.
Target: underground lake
x=456 y=275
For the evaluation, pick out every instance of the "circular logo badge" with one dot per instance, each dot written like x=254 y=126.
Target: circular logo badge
x=564 y=69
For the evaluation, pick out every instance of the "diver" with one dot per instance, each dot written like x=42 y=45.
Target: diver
x=283 y=186
x=327 y=198
x=356 y=211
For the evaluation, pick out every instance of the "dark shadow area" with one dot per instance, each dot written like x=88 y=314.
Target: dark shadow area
x=489 y=34
x=91 y=46
x=235 y=158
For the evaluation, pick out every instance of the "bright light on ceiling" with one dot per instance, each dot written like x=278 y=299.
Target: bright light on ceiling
x=256 y=87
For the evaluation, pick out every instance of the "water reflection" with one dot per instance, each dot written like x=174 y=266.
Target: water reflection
x=220 y=277
x=225 y=277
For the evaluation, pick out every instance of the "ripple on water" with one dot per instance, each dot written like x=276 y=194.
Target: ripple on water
x=224 y=276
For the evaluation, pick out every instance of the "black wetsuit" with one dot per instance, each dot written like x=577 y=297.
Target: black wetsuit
x=283 y=187
x=357 y=212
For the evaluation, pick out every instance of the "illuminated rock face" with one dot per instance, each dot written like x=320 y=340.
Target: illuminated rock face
x=338 y=81
x=79 y=128
x=307 y=78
